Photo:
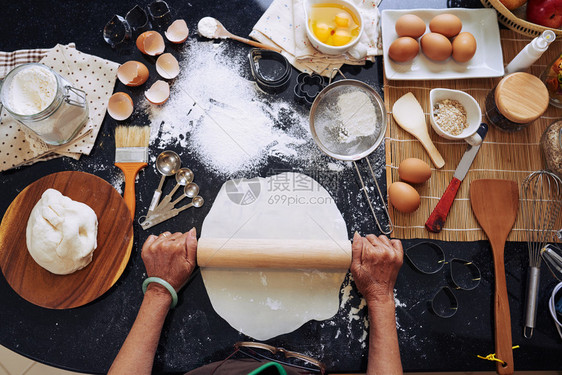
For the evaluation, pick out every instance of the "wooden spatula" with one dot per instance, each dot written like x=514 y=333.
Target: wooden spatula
x=495 y=204
x=408 y=113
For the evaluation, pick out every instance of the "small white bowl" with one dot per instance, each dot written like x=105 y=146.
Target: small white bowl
x=323 y=47
x=473 y=114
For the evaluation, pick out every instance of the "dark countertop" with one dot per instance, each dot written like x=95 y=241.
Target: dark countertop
x=88 y=338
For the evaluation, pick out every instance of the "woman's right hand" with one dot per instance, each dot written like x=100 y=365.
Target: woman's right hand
x=171 y=257
x=375 y=265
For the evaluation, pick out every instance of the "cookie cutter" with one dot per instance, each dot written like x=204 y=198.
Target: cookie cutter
x=429 y=258
x=160 y=15
x=117 y=31
x=444 y=303
x=467 y=275
x=138 y=19
x=308 y=87
x=270 y=69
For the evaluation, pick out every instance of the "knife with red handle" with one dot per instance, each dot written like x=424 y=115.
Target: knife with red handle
x=436 y=220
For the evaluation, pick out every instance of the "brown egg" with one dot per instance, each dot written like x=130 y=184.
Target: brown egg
x=464 y=47
x=436 y=46
x=414 y=171
x=410 y=25
x=403 y=197
x=403 y=49
x=446 y=24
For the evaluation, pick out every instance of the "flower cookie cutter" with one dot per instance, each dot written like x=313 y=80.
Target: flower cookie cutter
x=308 y=87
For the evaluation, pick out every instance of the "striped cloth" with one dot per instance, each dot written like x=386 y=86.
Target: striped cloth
x=9 y=60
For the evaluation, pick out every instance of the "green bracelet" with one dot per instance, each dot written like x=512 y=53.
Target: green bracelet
x=165 y=284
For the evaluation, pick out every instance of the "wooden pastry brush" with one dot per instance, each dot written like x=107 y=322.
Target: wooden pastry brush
x=131 y=155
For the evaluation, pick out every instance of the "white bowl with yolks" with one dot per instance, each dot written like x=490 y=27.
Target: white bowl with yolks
x=327 y=48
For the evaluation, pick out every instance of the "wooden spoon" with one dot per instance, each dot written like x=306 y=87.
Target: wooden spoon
x=223 y=33
x=495 y=204
x=408 y=113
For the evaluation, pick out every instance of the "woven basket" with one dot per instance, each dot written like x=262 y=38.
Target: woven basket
x=511 y=21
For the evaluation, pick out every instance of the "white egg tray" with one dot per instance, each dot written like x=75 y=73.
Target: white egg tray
x=487 y=61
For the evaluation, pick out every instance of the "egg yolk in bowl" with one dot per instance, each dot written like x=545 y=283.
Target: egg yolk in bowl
x=333 y=24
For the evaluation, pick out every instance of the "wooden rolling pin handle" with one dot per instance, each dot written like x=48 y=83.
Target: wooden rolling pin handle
x=502 y=315
x=271 y=253
x=436 y=220
x=130 y=171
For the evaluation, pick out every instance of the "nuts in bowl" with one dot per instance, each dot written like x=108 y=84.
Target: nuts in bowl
x=455 y=115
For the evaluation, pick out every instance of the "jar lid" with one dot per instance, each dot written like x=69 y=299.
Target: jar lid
x=521 y=97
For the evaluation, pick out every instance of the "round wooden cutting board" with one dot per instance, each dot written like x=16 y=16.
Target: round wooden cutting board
x=115 y=241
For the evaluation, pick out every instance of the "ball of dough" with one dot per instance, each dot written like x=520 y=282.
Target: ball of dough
x=61 y=234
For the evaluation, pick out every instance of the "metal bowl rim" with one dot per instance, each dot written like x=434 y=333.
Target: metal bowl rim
x=322 y=94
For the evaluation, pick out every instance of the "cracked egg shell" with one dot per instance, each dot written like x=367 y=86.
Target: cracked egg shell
x=132 y=73
x=167 y=66
x=177 y=32
x=120 y=106
x=158 y=93
x=151 y=43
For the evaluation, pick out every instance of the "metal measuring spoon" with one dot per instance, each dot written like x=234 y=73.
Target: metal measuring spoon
x=197 y=202
x=183 y=177
x=168 y=163
x=190 y=191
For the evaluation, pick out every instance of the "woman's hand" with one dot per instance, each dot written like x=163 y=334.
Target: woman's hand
x=171 y=257
x=375 y=264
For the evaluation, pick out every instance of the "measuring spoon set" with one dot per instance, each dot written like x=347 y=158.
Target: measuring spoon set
x=168 y=164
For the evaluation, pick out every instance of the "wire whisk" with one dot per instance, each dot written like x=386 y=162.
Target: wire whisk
x=540 y=206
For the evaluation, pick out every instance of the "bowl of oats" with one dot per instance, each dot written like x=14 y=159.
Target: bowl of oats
x=455 y=115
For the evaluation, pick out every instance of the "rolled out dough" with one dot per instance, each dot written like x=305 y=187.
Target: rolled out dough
x=266 y=303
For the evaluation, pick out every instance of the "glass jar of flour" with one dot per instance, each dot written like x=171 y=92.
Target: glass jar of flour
x=44 y=102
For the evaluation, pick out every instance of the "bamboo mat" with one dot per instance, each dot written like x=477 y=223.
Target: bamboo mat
x=510 y=156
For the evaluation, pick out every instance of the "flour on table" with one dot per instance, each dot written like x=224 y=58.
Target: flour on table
x=223 y=119
x=348 y=301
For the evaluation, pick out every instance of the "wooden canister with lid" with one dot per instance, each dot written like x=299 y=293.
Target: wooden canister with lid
x=518 y=100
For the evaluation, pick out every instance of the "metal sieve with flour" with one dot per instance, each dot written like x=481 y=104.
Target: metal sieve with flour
x=348 y=122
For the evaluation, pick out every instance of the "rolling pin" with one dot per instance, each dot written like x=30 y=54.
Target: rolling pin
x=268 y=253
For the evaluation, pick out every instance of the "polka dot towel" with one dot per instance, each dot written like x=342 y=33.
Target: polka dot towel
x=94 y=75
